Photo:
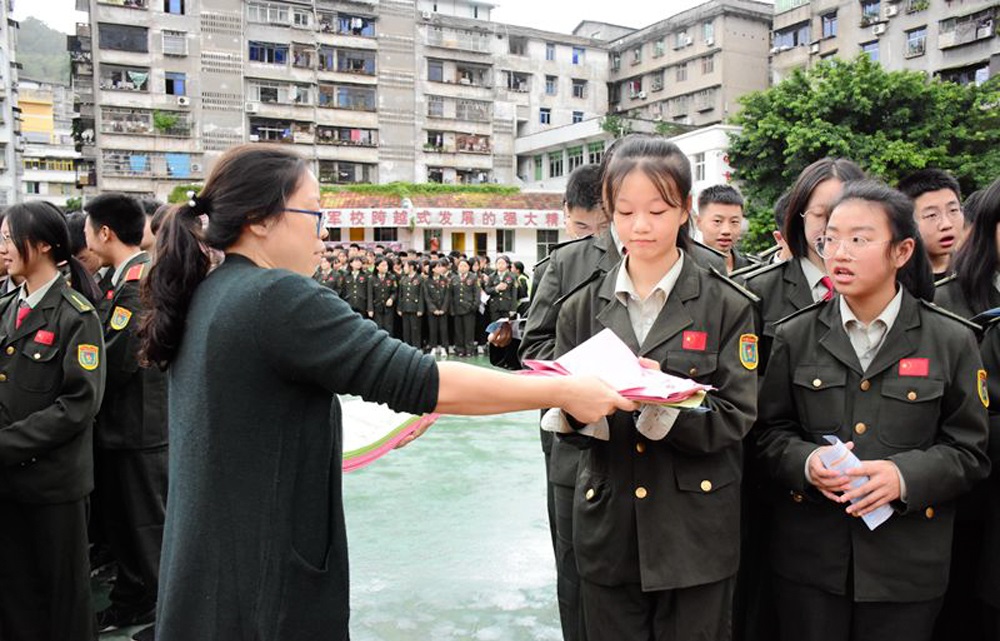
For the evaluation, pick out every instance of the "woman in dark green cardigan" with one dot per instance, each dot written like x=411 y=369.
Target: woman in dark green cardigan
x=254 y=546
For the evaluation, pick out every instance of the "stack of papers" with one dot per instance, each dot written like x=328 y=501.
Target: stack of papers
x=608 y=358
x=372 y=430
x=841 y=459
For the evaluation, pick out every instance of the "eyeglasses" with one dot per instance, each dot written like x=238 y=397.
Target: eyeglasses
x=320 y=218
x=816 y=212
x=828 y=246
x=935 y=217
x=6 y=239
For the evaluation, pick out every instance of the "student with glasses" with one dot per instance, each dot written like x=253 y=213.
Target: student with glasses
x=974 y=285
x=937 y=207
x=255 y=545
x=899 y=381
x=52 y=374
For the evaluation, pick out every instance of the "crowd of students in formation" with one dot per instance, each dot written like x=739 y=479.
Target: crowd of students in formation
x=870 y=322
x=435 y=302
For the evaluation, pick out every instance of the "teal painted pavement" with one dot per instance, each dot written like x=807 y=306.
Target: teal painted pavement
x=449 y=538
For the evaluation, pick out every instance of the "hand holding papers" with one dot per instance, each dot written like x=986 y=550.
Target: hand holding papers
x=372 y=430
x=840 y=459
x=608 y=358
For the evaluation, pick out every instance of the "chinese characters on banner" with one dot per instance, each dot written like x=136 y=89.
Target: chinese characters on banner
x=492 y=218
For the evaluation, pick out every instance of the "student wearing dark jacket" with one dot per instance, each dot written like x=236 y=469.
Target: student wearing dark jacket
x=357 y=288
x=131 y=430
x=657 y=504
x=255 y=545
x=410 y=305
x=384 y=291
x=902 y=383
x=52 y=370
x=987 y=565
x=437 y=303
x=465 y=292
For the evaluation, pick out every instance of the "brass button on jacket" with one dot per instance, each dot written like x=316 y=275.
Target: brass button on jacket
x=860 y=428
x=640 y=492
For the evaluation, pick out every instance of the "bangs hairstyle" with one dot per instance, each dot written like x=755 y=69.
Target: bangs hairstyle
x=39 y=222
x=794 y=228
x=977 y=261
x=916 y=275
x=659 y=160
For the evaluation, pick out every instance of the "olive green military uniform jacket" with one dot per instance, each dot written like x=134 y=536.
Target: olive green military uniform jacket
x=383 y=289
x=948 y=294
x=666 y=514
x=916 y=405
x=411 y=295
x=465 y=293
x=134 y=412
x=52 y=372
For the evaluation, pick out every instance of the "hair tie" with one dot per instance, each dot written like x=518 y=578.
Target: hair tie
x=199 y=205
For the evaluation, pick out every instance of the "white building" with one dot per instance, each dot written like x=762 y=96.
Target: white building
x=10 y=130
x=49 y=152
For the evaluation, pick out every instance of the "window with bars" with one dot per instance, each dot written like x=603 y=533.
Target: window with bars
x=174 y=43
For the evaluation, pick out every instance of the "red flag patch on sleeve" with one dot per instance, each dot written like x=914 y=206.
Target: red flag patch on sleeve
x=914 y=367
x=695 y=341
x=134 y=272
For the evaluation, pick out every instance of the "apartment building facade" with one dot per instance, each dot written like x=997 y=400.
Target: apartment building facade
x=369 y=92
x=11 y=143
x=49 y=157
x=692 y=67
x=955 y=40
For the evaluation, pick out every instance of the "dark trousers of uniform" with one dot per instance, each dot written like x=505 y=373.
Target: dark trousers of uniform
x=571 y=616
x=133 y=486
x=411 y=329
x=385 y=319
x=808 y=613
x=626 y=613
x=437 y=330
x=962 y=609
x=45 y=573
x=465 y=326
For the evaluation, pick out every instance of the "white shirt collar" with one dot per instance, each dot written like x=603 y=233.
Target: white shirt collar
x=625 y=290
x=888 y=315
x=120 y=268
x=36 y=296
x=812 y=273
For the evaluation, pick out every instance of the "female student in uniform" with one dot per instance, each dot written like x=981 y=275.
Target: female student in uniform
x=465 y=291
x=800 y=281
x=987 y=587
x=902 y=383
x=657 y=500
x=384 y=291
x=51 y=384
x=254 y=545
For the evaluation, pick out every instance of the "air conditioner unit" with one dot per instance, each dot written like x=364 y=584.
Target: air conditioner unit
x=251 y=107
x=814 y=48
x=891 y=10
x=709 y=42
x=878 y=29
x=686 y=40
x=183 y=101
x=196 y=167
x=775 y=50
x=641 y=95
x=254 y=138
x=426 y=15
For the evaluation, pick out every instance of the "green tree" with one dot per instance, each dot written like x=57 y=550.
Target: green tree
x=891 y=123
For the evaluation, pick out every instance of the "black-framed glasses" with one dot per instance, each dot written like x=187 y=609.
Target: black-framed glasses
x=320 y=218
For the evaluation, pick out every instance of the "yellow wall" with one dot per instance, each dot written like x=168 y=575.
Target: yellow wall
x=37 y=115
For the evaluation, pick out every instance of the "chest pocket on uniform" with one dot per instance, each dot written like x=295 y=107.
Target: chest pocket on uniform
x=691 y=363
x=820 y=397
x=37 y=369
x=909 y=412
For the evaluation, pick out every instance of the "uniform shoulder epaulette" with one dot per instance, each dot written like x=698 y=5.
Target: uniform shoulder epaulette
x=77 y=300
x=988 y=318
x=570 y=241
x=711 y=249
x=134 y=272
x=593 y=276
x=944 y=312
x=765 y=255
x=944 y=281
x=799 y=312
x=749 y=295
x=542 y=261
x=746 y=269
x=762 y=269
x=9 y=294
